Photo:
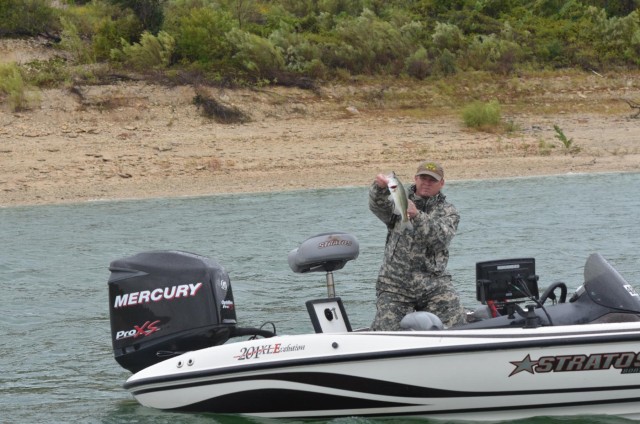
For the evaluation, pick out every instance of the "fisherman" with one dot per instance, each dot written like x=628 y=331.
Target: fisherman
x=413 y=274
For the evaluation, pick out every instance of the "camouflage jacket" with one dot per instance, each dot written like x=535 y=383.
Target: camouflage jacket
x=411 y=258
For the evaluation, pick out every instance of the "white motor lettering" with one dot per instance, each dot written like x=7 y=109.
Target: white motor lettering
x=144 y=296
x=156 y=295
x=133 y=298
x=171 y=294
x=123 y=334
x=182 y=291
x=194 y=288
x=121 y=301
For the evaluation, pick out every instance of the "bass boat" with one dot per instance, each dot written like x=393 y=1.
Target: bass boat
x=523 y=352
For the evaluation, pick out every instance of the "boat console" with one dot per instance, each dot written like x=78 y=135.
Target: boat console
x=503 y=284
x=605 y=296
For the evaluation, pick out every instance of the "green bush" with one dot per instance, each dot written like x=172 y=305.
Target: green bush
x=201 y=35
x=111 y=29
x=152 y=52
x=340 y=7
x=13 y=89
x=256 y=55
x=418 y=64
x=490 y=53
x=149 y=12
x=447 y=36
x=272 y=39
x=300 y=8
x=72 y=42
x=367 y=44
x=26 y=17
x=481 y=115
x=569 y=146
x=46 y=73
x=616 y=39
x=299 y=53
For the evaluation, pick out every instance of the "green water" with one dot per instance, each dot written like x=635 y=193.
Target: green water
x=56 y=364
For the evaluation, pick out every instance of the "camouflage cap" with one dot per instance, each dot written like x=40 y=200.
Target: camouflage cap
x=433 y=169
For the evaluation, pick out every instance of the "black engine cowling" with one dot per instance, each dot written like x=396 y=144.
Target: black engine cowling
x=164 y=303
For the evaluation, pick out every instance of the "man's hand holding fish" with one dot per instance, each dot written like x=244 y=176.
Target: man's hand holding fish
x=384 y=180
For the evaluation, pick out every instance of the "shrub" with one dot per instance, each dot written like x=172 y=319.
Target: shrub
x=201 y=35
x=46 y=73
x=14 y=89
x=26 y=17
x=152 y=52
x=569 y=146
x=481 y=115
x=298 y=52
x=490 y=53
x=447 y=36
x=111 y=29
x=256 y=55
x=446 y=63
x=418 y=64
x=339 y=7
x=74 y=44
x=617 y=38
x=149 y=12
x=367 y=44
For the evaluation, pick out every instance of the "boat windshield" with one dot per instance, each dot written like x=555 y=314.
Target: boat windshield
x=606 y=287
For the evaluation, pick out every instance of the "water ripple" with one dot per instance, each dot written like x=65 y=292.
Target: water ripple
x=56 y=363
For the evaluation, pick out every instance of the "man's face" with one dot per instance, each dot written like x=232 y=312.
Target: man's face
x=427 y=186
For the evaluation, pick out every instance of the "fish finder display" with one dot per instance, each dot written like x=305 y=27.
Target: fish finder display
x=506 y=280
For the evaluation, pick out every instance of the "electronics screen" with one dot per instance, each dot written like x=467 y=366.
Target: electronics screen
x=506 y=280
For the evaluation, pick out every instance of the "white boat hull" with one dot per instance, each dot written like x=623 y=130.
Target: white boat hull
x=466 y=374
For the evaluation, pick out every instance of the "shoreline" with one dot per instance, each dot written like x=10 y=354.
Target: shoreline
x=169 y=196
x=153 y=143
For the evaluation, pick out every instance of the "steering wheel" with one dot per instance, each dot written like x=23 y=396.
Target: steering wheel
x=549 y=292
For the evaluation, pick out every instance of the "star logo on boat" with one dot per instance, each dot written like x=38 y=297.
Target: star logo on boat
x=525 y=365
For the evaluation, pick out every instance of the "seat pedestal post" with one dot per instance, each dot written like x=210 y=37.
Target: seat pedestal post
x=331 y=288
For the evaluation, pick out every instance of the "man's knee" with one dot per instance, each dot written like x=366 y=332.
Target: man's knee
x=389 y=312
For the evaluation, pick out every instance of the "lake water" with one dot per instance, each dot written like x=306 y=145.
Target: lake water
x=56 y=363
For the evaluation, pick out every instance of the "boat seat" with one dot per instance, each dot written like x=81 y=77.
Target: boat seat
x=325 y=252
x=421 y=321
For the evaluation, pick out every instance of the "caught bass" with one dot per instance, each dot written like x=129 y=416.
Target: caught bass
x=399 y=198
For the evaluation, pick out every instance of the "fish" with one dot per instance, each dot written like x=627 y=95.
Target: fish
x=400 y=202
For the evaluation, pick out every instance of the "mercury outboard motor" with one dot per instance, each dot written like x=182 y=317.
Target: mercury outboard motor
x=164 y=303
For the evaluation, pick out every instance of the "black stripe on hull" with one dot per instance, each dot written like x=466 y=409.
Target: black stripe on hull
x=281 y=400
x=370 y=386
x=367 y=386
x=310 y=405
